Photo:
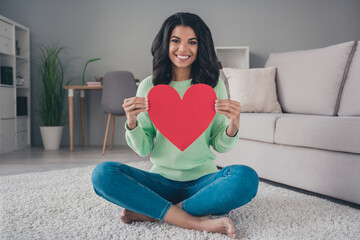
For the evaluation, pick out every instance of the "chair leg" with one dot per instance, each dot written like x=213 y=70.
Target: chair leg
x=106 y=133
x=112 y=131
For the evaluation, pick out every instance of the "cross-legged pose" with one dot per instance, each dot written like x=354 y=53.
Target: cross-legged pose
x=183 y=188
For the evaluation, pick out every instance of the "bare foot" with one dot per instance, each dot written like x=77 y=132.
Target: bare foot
x=220 y=225
x=206 y=217
x=128 y=216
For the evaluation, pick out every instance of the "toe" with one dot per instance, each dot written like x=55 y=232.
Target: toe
x=125 y=219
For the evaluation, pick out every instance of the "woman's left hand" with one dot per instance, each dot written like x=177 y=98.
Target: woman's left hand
x=231 y=109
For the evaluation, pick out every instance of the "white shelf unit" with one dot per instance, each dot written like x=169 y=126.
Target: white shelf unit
x=234 y=57
x=15 y=111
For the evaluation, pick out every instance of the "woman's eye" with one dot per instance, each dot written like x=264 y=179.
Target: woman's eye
x=193 y=43
x=175 y=41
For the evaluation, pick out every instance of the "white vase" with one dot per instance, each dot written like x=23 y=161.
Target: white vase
x=51 y=137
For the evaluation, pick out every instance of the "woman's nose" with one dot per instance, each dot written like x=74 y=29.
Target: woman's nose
x=182 y=47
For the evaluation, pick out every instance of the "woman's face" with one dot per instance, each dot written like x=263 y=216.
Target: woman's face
x=183 y=47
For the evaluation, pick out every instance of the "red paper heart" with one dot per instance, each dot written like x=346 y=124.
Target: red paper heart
x=182 y=121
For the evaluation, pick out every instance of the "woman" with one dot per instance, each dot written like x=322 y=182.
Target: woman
x=183 y=188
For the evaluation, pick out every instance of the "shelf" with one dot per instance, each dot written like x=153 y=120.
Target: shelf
x=22 y=58
x=22 y=29
x=15 y=53
x=233 y=57
x=7 y=86
x=6 y=54
x=22 y=87
x=8 y=118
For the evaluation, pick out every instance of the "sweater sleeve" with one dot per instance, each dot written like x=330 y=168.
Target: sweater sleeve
x=219 y=140
x=141 y=138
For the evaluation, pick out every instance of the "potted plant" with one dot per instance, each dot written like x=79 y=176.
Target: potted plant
x=51 y=95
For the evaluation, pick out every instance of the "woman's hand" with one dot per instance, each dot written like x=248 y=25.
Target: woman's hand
x=231 y=109
x=133 y=106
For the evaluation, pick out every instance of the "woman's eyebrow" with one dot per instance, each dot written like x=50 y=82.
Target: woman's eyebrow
x=194 y=38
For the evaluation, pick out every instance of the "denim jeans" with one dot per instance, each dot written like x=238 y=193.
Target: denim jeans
x=152 y=194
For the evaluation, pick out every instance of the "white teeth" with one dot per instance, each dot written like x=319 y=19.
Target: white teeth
x=182 y=57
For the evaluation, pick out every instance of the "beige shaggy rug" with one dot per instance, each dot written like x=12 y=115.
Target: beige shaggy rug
x=63 y=205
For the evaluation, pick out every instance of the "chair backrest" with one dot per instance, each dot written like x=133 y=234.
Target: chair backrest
x=117 y=86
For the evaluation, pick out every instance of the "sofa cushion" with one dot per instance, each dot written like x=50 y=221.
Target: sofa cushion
x=322 y=132
x=309 y=81
x=254 y=89
x=350 y=97
x=258 y=126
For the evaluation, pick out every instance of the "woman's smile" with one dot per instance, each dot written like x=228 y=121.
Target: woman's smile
x=182 y=57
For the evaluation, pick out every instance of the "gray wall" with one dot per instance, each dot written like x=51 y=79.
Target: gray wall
x=121 y=33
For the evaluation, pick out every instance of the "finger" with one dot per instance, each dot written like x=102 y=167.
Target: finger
x=126 y=104
x=232 y=104
x=131 y=110
x=140 y=100
x=228 y=108
x=226 y=113
x=135 y=100
x=134 y=107
x=229 y=114
x=136 y=112
x=127 y=100
x=135 y=104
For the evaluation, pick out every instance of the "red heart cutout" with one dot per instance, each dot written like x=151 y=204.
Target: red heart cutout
x=182 y=121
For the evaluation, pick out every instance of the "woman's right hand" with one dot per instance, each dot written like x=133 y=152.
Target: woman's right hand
x=133 y=106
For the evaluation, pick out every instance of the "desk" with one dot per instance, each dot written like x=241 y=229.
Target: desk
x=71 y=111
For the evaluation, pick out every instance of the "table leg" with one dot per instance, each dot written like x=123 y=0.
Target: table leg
x=71 y=118
x=82 y=99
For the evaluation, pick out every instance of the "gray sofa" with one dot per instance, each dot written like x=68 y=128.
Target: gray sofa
x=315 y=143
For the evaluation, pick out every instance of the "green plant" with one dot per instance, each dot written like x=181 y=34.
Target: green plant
x=51 y=92
x=91 y=60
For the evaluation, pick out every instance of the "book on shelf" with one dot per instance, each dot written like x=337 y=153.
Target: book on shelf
x=93 y=83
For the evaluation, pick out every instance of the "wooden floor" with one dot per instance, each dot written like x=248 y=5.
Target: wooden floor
x=36 y=159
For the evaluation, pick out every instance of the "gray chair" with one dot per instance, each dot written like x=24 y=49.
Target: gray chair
x=117 y=86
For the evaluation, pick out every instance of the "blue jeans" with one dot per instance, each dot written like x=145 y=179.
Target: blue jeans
x=152 y=194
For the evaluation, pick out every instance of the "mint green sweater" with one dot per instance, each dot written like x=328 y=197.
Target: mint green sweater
x=195 y=161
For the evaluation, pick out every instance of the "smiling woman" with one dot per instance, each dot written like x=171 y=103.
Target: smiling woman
x=184 y=186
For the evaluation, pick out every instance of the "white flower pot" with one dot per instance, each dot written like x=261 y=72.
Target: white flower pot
x=51 y=137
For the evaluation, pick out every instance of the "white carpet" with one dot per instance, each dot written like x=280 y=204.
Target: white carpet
x=63 y=205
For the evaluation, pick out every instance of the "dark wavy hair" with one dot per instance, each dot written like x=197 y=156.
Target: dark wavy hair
x=204 y=69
